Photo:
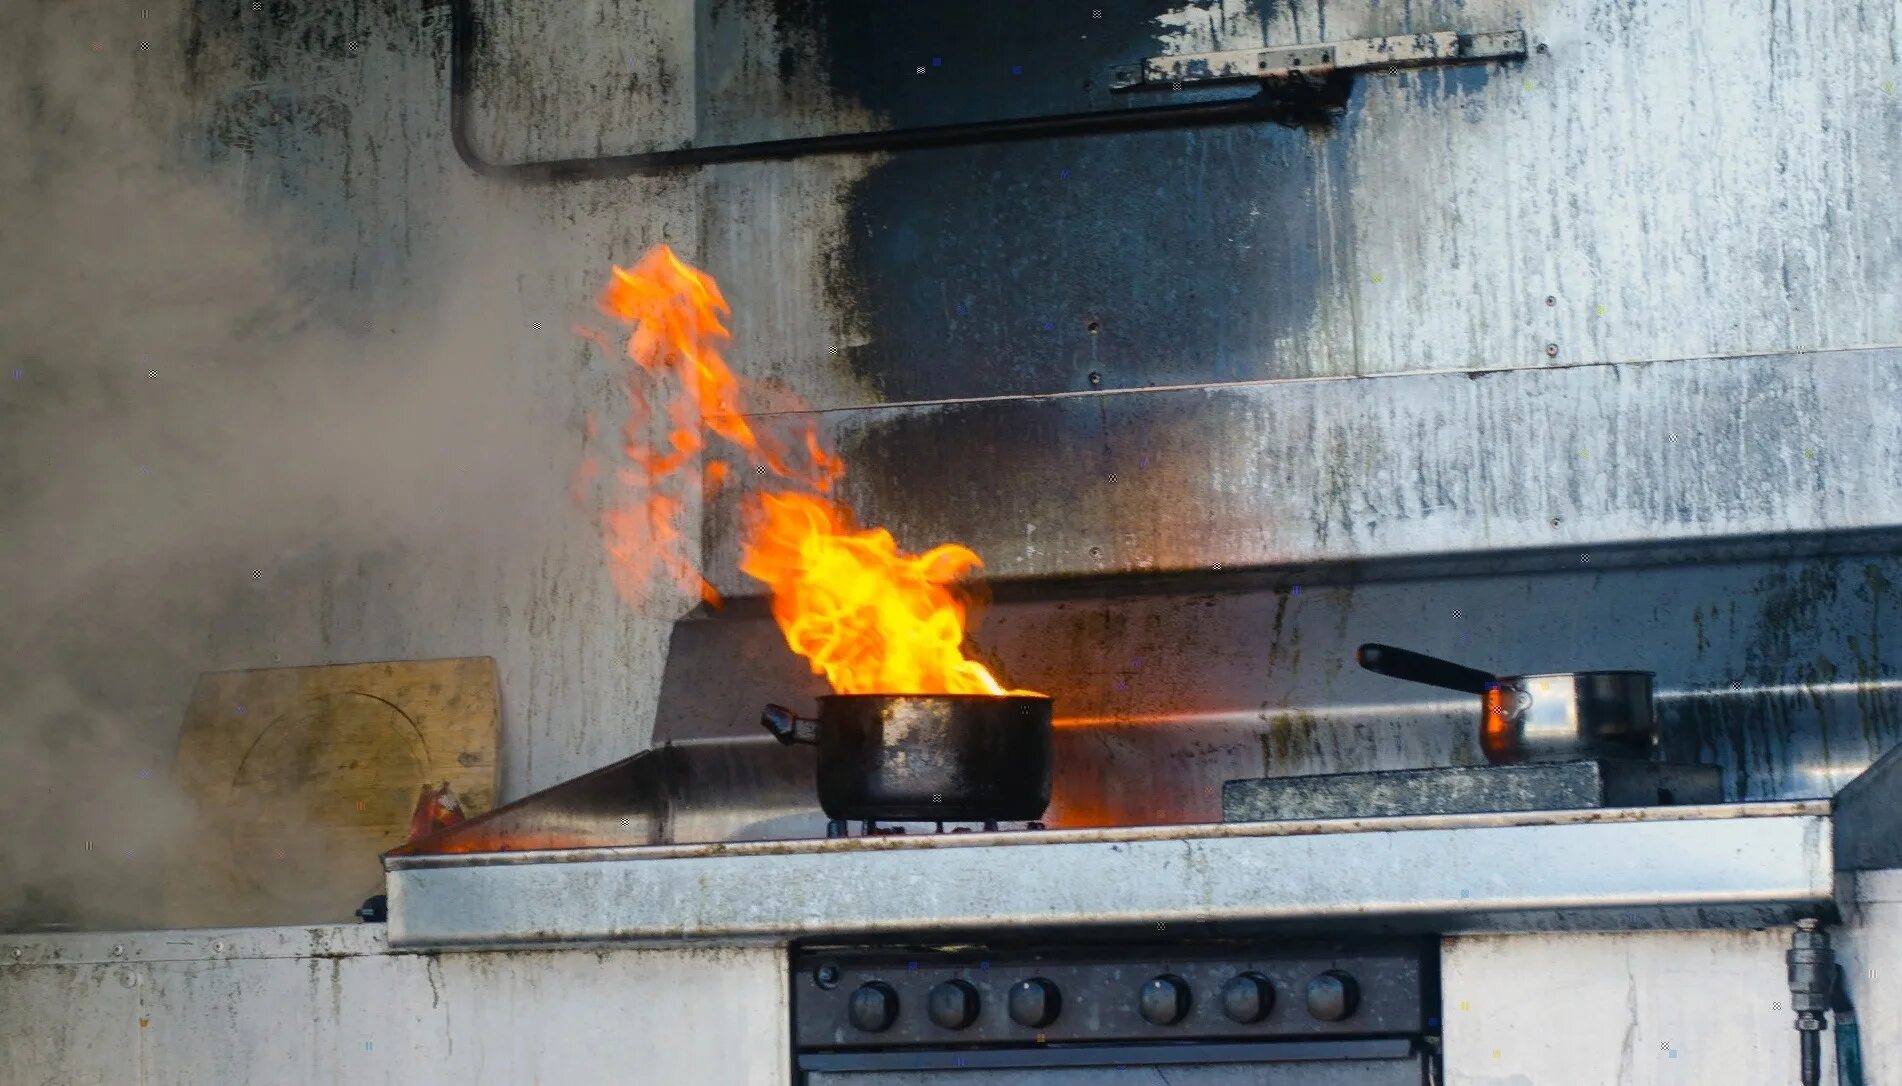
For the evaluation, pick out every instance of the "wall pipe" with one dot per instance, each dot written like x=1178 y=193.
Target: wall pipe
x=1291 y=102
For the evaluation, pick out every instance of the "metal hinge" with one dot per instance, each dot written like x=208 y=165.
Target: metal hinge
x=1281 y=62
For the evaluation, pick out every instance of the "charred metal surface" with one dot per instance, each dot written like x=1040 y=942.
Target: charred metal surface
x=1556 y=786
x=1108 y=261
x=912 y=65
x=1117 y=262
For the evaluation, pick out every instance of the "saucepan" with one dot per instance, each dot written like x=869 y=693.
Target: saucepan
x=927 y=757
x=1554 y=717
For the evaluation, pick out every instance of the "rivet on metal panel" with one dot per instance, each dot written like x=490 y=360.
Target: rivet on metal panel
x=118 y=950
x=1095 y=378
x=1093 y=325
x=1551 y=350
x=1551 y=300
x=1096 y=552
x=18 y=953
x=1542 y=49
x=218 y=948
x=129 y=979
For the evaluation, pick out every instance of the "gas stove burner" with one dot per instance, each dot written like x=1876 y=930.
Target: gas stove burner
x=842 y=827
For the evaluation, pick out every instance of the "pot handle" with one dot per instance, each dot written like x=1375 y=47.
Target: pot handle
x=789 y=727
x=1420 y=668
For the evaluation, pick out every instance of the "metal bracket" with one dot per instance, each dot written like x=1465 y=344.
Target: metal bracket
x=1284 y=62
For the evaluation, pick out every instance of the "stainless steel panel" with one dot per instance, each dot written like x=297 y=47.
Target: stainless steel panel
x=1784 y=673
x=1287 y=474
x=727 y=789
x=1697 y=866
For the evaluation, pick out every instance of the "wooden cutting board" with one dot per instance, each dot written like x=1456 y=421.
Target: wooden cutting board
x=303 y=776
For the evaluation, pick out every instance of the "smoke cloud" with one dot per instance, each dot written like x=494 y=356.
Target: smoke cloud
x=212 y=437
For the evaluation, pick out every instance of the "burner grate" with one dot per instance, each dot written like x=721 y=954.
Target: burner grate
x=842 y=827
x=1533 y=786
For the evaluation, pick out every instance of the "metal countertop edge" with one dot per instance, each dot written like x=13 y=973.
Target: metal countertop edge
x=1114 y=835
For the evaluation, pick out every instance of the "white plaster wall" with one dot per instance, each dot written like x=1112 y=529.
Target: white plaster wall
x=330 y=1005
x=1643 y=1008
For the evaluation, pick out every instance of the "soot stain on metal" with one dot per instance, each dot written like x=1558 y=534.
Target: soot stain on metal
x=976 y=269
x=1436 y=88
x=1206 y=244
x=982 y=59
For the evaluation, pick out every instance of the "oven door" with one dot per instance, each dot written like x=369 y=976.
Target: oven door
x=1385 y=1062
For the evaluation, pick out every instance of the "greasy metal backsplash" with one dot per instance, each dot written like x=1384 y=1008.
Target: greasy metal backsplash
x=1779 y=671
x=1798 y=451
x=1188 y=571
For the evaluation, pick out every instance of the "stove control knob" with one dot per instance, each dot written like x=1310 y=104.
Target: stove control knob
x=952 y=1004
x=874 y=1007
x=1164 y=1000
x=1247 y=998
x=1333 y=996
x=1035 y=1002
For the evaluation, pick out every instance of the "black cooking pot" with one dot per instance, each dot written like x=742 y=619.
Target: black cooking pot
x=927 y=757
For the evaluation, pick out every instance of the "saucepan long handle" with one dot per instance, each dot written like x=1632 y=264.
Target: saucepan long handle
x=1421 y=668
x=789 y=727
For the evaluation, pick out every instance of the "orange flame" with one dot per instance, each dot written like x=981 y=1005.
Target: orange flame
x=677 y=315
x=868 y=616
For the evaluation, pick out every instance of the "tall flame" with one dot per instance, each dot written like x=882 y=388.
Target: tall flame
x=677 y=315
x=869 y=617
